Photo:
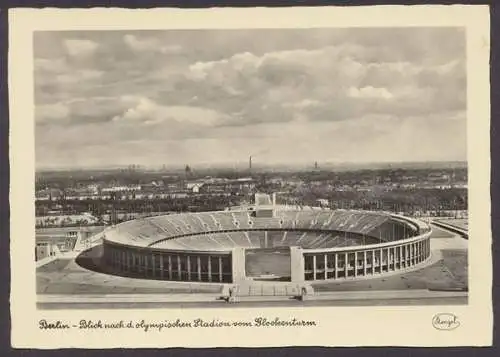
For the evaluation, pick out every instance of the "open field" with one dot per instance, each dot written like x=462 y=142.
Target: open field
x=267 y=262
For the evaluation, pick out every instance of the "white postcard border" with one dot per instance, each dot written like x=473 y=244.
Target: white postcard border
x=337 y=326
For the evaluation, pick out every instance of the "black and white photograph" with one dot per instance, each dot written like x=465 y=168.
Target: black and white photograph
x=235 y=169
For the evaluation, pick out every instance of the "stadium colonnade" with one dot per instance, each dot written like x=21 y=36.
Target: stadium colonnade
x=211 y=247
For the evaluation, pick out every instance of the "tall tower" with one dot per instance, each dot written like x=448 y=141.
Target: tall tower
x=315 y=165
x=187 y=171
x=250 y=163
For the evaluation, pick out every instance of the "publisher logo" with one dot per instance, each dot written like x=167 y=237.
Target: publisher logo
x=445 y=321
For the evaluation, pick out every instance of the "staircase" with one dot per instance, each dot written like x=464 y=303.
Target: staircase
x=267 y=289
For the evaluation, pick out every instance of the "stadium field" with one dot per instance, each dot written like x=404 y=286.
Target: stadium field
x=268 y=263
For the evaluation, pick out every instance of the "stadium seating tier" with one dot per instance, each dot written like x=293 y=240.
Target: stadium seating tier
x=230 y=229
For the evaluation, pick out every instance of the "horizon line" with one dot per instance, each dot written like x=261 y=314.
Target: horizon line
x=241 y=165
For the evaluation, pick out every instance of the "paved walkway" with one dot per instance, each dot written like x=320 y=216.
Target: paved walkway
x=212 y=298
x=127 y=298
x=449 y=243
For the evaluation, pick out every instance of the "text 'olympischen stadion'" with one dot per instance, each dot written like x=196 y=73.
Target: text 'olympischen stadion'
x=149 y=326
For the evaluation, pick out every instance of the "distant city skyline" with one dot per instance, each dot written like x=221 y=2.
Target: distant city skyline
x=197 y=169
x=216 y=97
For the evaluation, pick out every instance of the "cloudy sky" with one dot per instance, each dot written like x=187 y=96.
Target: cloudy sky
x=286 y=96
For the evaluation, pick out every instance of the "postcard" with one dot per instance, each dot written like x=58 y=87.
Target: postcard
x=252 y=177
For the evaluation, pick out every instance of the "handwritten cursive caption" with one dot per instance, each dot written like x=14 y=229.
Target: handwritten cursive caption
x=148 y=326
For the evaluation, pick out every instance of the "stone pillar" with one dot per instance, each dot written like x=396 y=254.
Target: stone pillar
x=381 y=260
x=407 y=255
x=336 y=266
x=401 y=249
x=161 y=265
x=198 y=261
x=314 y=267
x=179 y=268
x=238 y=264
x=209 y=268
x=346 y=267
x=400 y=257
x=170 y=267
x=373 y=262
x=355 y=264
x=364 y=263
x=297 y=264
x=220 y=269
x=325 y=257
x=188 y=267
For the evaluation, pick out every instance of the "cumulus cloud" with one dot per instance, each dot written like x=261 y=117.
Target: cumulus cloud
x=146 y=111
x=52 y=112
x=78 y=76
x=326 y=84
x=303 y=104
x=369 y=92
x=55 y=65
x=228 y=92
x=80 y=47
x=149 y=44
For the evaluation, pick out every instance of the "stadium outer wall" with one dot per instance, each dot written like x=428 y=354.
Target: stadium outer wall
x=325 y=264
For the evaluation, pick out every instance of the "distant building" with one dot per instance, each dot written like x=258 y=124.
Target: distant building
x=194 y=187
x=241 y=184
x=122 y=188
x=323 y=202
x=93 y=189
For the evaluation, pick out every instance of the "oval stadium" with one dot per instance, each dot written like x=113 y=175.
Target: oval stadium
x=265 y=242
